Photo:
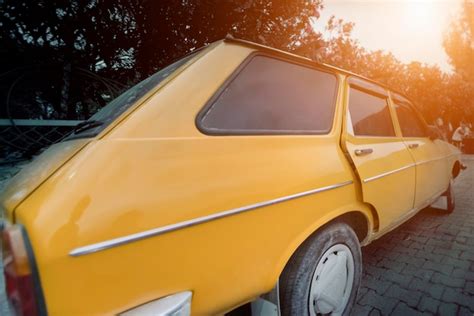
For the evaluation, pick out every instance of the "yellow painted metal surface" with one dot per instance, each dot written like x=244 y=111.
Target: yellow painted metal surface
x=431 y=167
x=154 y=168
x=433 y=160
x=394 y=192
x=386 y=174
x=33 y=174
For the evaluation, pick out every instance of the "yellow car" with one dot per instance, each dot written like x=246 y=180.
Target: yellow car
x=239 y=174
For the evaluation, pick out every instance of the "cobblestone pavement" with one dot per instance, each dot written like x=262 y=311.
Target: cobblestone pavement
x=426 y=266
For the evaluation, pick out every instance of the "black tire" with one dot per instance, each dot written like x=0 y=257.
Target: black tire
x=451 y=202
x=296 y=279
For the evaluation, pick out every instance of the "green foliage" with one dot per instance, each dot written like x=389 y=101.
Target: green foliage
x=61 y=56
x=459 y=45
x=435 y=93
x=459 y=42
x=68 y=58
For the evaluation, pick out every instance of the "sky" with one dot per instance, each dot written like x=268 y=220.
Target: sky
x=411 y=29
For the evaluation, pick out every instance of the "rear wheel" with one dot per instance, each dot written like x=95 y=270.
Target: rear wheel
x=451 y=202
x=323 y=276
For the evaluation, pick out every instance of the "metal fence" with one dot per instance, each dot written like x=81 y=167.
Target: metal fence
x=21 y=139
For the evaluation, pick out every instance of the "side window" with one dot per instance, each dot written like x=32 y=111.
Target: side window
x=370 y=114
x=410 y=123
x=273 y=96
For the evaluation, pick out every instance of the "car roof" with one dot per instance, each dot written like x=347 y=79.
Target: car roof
x=274 y=51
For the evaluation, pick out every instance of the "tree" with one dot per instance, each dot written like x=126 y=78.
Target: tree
x=63 y=54
x=67 y=58
x=169 y=29
x=459 y=45
x=459 y=42
x=427 y=86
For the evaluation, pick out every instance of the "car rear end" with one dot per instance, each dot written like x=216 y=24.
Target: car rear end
x=24 y=290
x=155 y=170
x=23 y=286
x=22 y=283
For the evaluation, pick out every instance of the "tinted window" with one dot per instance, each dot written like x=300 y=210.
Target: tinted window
x=410 y=123
x=273 y=96
x=370 y=115
x=119 y=105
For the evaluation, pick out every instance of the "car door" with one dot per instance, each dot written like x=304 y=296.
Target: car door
x=381 y=158
x=429 y=155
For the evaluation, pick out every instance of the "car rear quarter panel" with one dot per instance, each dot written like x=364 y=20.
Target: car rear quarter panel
x=157 y=169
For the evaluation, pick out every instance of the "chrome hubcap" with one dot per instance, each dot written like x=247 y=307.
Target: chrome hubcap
x=332 y=281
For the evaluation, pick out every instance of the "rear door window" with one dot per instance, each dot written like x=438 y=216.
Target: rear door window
x=273 y=96
x=370 y=114
x=410 y=124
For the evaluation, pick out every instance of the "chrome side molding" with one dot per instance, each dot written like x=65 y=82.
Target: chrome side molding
x=178 y=304
x=403 y=168
x=388 y=173
x=431 y=160
x=196 y=221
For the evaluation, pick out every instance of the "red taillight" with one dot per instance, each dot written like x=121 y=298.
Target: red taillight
x=17 y=269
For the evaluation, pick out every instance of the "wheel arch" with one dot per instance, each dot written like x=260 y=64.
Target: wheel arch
x=357 y=221
x=456 y=169
x=360 y=219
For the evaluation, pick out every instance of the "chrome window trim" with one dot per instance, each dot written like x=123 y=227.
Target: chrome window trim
x=192 y=222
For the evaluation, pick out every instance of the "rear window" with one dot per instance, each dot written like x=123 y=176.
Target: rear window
x=119 y=105
x=272 y=96
x=370 y=114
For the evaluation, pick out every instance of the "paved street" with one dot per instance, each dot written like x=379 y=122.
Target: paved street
x=426 y=266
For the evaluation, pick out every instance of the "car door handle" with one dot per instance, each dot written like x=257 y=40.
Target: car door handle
x=363 y=152
x=413 y=146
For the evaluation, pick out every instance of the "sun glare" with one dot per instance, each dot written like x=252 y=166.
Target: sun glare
x=411 y=29
x=420 y=16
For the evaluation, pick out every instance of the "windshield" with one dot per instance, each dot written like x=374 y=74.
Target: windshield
x=119 y=105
